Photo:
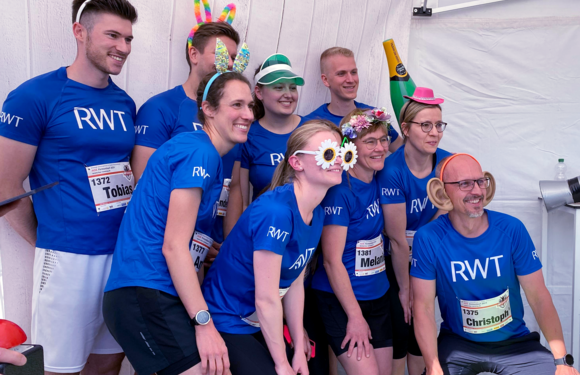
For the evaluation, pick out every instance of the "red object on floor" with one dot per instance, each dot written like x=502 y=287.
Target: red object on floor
x=11 y=334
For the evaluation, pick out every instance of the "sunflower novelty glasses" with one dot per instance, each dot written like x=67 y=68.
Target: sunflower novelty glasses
x=329 y=151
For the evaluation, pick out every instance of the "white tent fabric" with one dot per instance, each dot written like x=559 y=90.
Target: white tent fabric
x=508 y=72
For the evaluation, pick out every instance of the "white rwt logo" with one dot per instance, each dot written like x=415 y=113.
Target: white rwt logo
x=196 y=125
x=141 y=129
x=7 y=119
x=199 y=171
x=332 y=210
x=473 y=271
x=418 y=206
x=302 y=259
x=276 y=233
x=535 y=255
x=385 y=191
x=276 y=158
x=83 y=114
x=414 y=262
x=373 y=209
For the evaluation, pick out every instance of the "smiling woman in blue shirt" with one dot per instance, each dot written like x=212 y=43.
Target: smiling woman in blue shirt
x=258 y=276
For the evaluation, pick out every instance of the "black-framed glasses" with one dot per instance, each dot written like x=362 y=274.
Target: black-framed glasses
x=467 y=185
x=427 y=126
x=371 y=143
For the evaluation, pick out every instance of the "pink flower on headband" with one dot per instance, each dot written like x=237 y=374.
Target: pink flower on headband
x=380 y=114
x=359 y=122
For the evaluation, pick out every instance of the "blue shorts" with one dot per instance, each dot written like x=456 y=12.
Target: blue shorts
x=522 y=355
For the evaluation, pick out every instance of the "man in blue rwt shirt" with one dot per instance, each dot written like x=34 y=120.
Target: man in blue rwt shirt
x=340 y=74
x=475 y=260
x=175 y=111
x=73 y=126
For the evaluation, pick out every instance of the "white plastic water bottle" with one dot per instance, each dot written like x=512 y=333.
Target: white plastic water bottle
x=560 y=171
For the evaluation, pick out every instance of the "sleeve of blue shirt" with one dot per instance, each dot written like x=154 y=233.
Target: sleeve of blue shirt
x=393 y=133
x=191 y=169
x=271 y=224
x=153 y=125
x=24 y=115
x=239 y=153
x=391 y=185
x=423 y=263
x=525 y=257
x=244 y=156
x=337 y=206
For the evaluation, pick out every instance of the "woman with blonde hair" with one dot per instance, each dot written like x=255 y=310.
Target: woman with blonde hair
x=406 y=208
x=258 y=276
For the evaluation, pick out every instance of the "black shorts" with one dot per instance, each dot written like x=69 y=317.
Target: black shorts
x=404 y=340
x=249 y=354
x=376 y=312
x=314 y=326
x=522 y=355
x=153 y=329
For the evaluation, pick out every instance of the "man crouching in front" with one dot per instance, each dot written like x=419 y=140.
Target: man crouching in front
x=474 y=260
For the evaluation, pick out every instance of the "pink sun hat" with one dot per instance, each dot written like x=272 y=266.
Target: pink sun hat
x=424 y=95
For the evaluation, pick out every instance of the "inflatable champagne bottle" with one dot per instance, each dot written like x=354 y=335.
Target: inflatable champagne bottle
x=401 y=81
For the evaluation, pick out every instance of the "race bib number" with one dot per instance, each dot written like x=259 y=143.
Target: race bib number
x=200 y=244
x=224 y=198
x=370 y=257
x=487 y=315
x=409 y=234
x=111 y=184
x=253 y=319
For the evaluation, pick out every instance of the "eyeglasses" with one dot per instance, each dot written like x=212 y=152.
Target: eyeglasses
x=427 y=126
x=329 y=151
x=467 y=185
x=371 y=143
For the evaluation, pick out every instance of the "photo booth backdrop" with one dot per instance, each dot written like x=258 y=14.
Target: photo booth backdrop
x=508 y=72
x=38 y=39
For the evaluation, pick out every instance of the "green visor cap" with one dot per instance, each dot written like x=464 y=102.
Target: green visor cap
x=277 y=68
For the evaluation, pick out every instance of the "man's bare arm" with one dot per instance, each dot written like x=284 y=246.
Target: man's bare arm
x=16 y=160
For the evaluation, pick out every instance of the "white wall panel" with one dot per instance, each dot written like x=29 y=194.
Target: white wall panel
x=148 y=65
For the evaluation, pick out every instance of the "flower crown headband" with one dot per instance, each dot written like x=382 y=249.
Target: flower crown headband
x=227 y=15
x=222 y=58
x=358 y=123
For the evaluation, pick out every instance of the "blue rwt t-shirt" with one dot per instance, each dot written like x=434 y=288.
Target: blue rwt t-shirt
x=228 y=165
x=323 y=113
x=261 y=154
x=164 y=116
x=355 y=204
x=74 y=126
x=272 y=223
x=168 y=114
x=188 y=160
x=477 y=269
x=398 y=185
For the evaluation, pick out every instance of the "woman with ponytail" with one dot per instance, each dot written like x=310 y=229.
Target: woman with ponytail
x=153 y=305
x=258 y=276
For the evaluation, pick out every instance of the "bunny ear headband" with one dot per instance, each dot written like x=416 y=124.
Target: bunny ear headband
x=227 y=15
x=222 y=58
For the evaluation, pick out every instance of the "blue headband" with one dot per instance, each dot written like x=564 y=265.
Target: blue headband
x=209 y=83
